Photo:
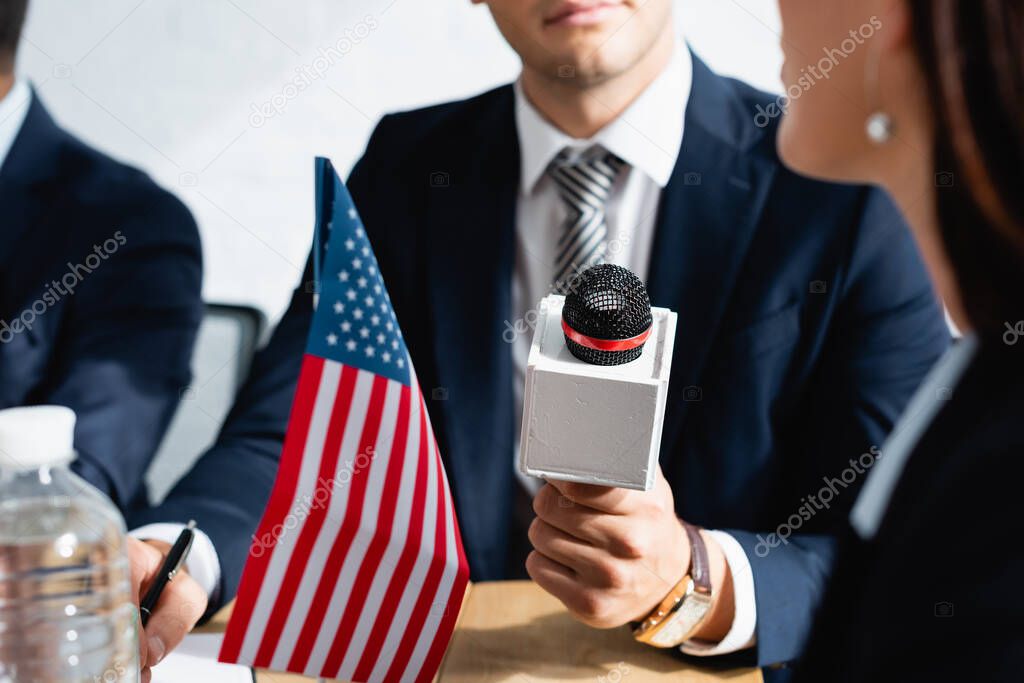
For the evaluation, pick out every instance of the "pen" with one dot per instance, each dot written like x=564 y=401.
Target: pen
x=171 y=564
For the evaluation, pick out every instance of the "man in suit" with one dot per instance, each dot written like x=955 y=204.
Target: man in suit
x=99 y=286
x=806 y=320
x=100 y=280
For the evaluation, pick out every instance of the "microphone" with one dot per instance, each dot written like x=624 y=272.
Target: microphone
x=606 y=317
x=597 y=382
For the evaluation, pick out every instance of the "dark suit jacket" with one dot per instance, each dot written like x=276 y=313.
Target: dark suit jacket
x=100 y=275
x=935 y=595
x=806 y=320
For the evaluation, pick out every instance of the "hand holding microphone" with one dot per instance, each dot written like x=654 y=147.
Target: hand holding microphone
x=607 y=540
x=609 y=554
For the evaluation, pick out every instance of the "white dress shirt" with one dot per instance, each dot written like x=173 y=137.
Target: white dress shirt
x=13 y=110
x=648 y=137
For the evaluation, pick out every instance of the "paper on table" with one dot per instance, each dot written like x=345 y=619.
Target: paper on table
x=195 y=661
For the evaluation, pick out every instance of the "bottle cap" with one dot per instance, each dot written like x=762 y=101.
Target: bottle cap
x=36 y=436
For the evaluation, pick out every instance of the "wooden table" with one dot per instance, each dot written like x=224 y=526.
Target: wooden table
x=513 y=632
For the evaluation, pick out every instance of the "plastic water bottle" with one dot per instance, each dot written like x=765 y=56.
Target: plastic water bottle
x=66 y=613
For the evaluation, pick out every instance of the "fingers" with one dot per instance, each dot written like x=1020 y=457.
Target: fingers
x=582 y=522
x=614 y=501
x=555 y=578
x=567 y=550
x=145 y=562
x=584 y=603
x=181 y=604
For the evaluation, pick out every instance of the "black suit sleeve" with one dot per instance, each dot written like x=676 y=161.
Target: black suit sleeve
x=889 y=330
x=948 y=591
x=125 y=345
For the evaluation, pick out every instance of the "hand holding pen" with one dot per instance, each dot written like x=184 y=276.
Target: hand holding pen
x=171 y=600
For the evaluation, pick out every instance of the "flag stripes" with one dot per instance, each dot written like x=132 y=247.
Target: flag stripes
x=331 y=580
x=307 y=536
x=404 y=566
x=359 y=554
x=333 y=495
x=356 y=570
x=278 y=506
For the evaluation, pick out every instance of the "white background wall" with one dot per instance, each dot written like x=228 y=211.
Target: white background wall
x=170 y=86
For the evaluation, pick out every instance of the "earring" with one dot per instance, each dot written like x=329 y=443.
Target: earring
x=879 y=126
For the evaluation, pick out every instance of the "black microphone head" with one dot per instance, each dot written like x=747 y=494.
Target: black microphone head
x=606 y=317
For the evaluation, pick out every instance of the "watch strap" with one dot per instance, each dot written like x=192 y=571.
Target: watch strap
x=700 y=569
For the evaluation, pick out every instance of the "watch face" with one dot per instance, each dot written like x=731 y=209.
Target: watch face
x=681 y=623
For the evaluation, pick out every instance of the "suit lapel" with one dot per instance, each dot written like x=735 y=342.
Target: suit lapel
x=708 y=214
x=470 y=272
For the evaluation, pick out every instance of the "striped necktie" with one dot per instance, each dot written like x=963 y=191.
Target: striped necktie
x=584 y=186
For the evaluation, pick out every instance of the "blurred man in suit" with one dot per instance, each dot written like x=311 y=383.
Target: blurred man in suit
x=100 y=280
x=806 y=320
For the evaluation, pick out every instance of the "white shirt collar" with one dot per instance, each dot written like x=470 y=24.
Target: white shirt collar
x=647 y=135
x=13 y=110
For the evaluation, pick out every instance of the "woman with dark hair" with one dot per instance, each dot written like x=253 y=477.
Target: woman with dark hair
x=926 y=98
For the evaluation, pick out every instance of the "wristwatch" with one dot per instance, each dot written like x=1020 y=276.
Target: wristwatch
x=679 y=615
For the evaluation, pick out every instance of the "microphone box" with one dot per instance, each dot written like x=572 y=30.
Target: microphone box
x=594 y=424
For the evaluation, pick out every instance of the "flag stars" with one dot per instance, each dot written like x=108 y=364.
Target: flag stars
x=360 y=326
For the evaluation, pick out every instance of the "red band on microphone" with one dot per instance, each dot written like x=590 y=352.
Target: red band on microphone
x=606 y=344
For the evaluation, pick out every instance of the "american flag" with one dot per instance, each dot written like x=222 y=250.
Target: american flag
x=356 y=570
